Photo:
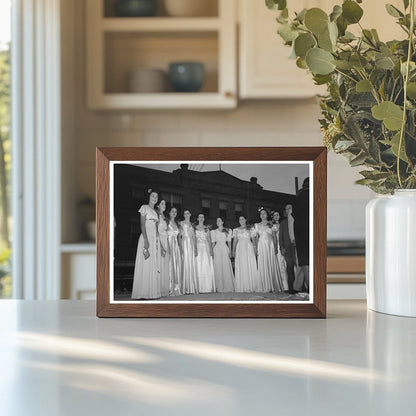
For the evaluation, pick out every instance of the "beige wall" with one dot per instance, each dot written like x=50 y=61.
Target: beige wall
x=253 y=123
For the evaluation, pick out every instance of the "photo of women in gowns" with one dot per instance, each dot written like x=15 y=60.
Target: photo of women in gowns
x=246 y=277
x=281 y=262
x=146 y=280
x=223 y=270
x=204 y=264
x=164 y=255
x=175 y=260
x=188 y=283
x=269 y=280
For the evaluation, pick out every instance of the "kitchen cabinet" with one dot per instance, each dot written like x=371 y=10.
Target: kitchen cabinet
x=78 y=262
x=118 y=45
x=265 y=70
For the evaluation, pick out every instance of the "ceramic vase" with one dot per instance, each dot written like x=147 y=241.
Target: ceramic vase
x=391 y=253
x=135 y=8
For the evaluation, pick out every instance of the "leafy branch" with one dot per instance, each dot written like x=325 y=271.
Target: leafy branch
x=369 y=112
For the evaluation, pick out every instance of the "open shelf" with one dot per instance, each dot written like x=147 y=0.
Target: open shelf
x=127 y=51
x=116 y=46
x=160 y=24
x=210 y=9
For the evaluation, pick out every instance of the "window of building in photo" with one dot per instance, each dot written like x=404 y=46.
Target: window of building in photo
x=238 y=210
x=223 y=205
x=206 y=207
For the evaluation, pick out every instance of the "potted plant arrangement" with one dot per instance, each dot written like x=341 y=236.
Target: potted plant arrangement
x=369 y=116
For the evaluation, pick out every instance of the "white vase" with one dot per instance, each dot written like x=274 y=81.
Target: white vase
x=391 y=253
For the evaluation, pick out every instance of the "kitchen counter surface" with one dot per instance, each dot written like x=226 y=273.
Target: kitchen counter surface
x=57 y=358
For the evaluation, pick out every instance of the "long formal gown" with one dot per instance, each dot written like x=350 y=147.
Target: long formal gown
x=269 y=279
x=189 y=281
x=246 y=277
x=281 y=262
x=164 y=260
x=204 y=264
x=175 y=261
x=146 y=281
x=223 y=270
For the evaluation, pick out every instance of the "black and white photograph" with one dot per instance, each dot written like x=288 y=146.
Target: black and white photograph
x=211 y=232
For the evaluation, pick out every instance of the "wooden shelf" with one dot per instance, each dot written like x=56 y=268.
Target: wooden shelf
x=160 y=24
x=196 y=100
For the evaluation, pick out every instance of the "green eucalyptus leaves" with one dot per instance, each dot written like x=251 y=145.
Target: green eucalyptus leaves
x=369 y=113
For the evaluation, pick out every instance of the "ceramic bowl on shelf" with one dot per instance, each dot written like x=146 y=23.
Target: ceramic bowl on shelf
x=135 y=8
x=147 y=80
x=186 y=76
x=191 y=8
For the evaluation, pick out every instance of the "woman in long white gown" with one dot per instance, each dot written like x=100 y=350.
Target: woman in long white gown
x=266 y=257
x=175 y=258
x=189 y=281
x=223 y=270
x=164 y=253
x=246 y=277
x=146 y=281
x=204 y=264
x=281 y=262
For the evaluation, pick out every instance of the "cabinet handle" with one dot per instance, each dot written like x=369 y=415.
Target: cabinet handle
x=229 y=94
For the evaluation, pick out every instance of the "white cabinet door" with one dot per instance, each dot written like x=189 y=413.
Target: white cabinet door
x=78 y=276
x=264 y=66
x=265 y=69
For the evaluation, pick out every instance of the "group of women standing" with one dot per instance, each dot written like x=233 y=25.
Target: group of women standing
x=176 y=258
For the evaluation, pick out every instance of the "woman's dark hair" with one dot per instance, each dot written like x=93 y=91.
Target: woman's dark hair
x=265 y=210
x=248 y=227
x=163 y=215
x=147 y=192
x=183 y=215
x=175 y=219
x=196 y=220
x=276 y=212
x=224 y=229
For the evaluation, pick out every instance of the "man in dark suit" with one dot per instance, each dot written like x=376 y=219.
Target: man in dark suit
x=288 y=245
x=301 y=213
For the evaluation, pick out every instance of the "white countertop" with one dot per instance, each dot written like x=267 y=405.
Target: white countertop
x=57 y=358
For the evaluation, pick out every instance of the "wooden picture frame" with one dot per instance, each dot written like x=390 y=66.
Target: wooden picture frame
x=315 y=157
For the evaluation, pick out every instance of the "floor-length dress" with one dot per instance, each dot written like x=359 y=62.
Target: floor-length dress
x=146 y=281
x=175 y=261
x=223 y=270
x=189 y=282
x=204 y=264
x=164 y=260
x=269 y=279
x=281 y=262
x=246 y=277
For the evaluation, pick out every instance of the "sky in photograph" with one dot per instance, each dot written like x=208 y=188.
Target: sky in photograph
x=5 y=19
x=273 y=177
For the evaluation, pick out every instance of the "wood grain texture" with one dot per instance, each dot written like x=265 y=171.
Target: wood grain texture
x=265 y=309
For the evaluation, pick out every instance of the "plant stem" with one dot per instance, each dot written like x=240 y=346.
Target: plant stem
x=346 y=75
x=405 y=81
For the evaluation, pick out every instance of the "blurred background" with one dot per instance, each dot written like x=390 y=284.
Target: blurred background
x=76 y=75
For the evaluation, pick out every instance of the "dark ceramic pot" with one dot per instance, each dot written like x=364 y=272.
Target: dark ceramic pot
x=135 y=8
x=186 y=76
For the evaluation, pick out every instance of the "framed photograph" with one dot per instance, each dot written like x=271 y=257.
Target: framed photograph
x=211 y=232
